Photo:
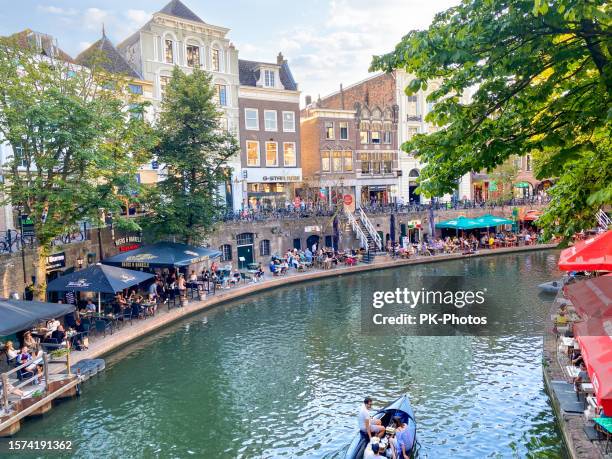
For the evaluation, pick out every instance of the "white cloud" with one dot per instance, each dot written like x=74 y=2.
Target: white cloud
x=50 y=9
x=340 y=49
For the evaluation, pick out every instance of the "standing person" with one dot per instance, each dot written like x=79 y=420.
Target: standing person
x=182 y=287
x=368 y=426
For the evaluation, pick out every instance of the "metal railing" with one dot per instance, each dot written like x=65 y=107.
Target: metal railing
x=13 y=241
x=603 y=219
x=368 y=225
x=356 y=228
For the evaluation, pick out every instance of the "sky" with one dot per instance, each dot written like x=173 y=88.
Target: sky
x=327 y=42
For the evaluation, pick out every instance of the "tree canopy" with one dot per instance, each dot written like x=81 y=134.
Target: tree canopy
x=193 y=150
x=74 y=138
x=541 y=76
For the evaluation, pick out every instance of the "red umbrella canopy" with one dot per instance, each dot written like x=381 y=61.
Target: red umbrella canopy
x=597 y=354
x=591 y=255
x=531 y=216
x=592 y=297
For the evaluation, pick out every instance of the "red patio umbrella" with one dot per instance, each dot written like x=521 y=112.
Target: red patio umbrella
x=531 y=216
x=597 y=354
x=592 y=297
x=591 y=255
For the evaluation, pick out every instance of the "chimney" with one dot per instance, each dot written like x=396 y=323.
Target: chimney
x=341 y=97
x=280 y=59
x=308 y=100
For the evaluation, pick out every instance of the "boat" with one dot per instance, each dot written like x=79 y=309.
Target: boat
x=551 y=287
x=400 y=407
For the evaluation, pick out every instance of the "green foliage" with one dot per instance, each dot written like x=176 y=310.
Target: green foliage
x=541 y=74
x=193 y=149
x=76 y=143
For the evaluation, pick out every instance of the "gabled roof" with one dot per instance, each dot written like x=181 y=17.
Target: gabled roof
x=43 y=43
x=178 y=9
x=248 y=72
x=112 y=61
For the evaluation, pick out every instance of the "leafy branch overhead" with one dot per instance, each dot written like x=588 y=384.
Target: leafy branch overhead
x=541 y=77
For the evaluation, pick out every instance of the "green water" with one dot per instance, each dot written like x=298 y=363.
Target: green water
x=281 y=374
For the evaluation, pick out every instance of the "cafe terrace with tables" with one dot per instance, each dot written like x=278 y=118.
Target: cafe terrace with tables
x=580 y=375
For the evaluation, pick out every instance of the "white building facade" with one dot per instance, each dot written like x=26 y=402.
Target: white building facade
x=175 y=36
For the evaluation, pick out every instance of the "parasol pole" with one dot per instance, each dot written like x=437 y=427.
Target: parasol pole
x=99 y=303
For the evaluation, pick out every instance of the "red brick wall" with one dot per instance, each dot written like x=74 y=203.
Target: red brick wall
x=379 y=90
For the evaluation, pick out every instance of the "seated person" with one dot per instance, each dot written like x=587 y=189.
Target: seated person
x=273 y=268
x=235 y=277
x=52 y=325
x=561 y=318
x=90 y=306
x=59 y=335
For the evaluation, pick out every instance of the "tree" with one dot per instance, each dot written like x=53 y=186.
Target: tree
x=74 y=141
x=504 y=176
x=194 y=150
x=542 y=79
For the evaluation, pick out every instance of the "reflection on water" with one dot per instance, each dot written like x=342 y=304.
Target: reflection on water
x=281 y=374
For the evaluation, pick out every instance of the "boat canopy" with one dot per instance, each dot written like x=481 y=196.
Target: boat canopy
x=401 y=404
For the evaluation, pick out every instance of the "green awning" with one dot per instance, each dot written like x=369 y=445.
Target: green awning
x=521 y=185
x=464 y=223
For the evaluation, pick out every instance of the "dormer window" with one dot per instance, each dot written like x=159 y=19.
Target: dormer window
x=269 y=78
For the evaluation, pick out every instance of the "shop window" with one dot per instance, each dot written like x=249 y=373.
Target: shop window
x=348 y=161
x=337 y=161
x=325 y=164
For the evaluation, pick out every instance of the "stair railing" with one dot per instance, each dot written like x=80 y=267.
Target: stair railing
x=356 y=228
x=368 y=224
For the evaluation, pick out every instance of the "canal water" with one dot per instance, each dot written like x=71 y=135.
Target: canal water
x=282 y=374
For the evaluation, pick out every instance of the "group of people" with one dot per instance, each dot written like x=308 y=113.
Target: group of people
x=394 y=441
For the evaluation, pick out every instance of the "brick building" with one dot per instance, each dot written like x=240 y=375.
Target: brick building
x=350 y=141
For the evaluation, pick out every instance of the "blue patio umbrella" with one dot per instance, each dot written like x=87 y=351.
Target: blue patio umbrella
x=336 y=236
x=392 y=229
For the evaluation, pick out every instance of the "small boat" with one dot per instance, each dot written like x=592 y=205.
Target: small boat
x=551 y=287
x=402 y=408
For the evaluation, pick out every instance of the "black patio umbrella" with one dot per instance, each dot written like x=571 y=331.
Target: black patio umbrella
x=392 y=229
x=336 y=236
x=16 y=315
x=100 y=279
x=162 y=255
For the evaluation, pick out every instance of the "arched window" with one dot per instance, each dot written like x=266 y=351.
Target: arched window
x=414 y=173
x=169 y=50
x=244 y=239
x=193 y=53
x=226 y=252
x=264 y=248
x=215 y=59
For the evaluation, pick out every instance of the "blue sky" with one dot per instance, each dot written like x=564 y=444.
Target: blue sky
x=327 y=42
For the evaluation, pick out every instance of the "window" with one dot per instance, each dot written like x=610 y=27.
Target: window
x=337 y=161
x=20 y=159
x=135 y=88
x=289 y=154
x=365 y=167
x=430 y=106
x=269 y=78
x=221 y=90
x=528 y=163
x=517 y=163
x=226 y=252
x=163 y=82
x=387 y=163
x=251 y=119
x=252 y=148
x=215 y=60
x=169 y=51
x=348 y=161
x=412 y=131
x=325 y=161
x=363 y=136
x=375 y=136
x=136 y=111
x=193 y=56
x=343 y=130
x=329 y=129
x=387 y=137
x=270 y=120
x=289 y=121
x=244 y=239
x=412 y=108
x=271 y=154
x=264 y=248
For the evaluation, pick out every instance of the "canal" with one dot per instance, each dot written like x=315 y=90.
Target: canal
x=282 y=374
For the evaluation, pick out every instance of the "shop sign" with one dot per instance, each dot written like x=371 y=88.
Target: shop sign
x=56 y=261
x=348 y=200
x=312 y=229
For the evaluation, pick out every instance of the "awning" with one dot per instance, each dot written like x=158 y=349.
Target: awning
x=597 y=355
x=591 y=297
x=594 y=254
x=98 y=278
x=16 y=315
x=522 y=185
x=163 y=255
x=464 y=223
x=531 y=216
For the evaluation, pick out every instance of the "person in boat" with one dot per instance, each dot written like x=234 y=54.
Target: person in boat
x=374 y=449
x=403 y=439
x=368 y=427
